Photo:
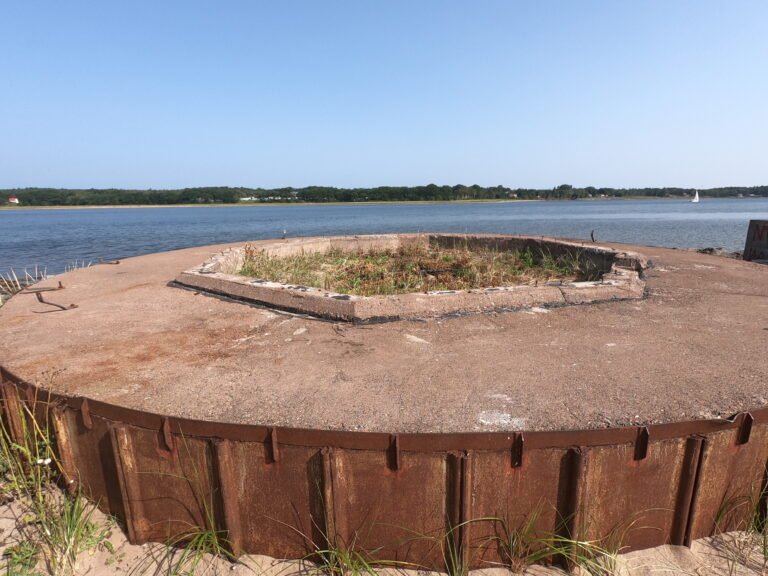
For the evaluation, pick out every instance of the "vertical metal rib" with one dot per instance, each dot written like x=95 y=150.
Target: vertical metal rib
x=466 y=508
x=575 y=478
x=688 y=475
x=458 y=508
x=14 y=412
x=329 y=508
x=695 y=493
x=65 y=449
x=229 y=494
x=130 y=487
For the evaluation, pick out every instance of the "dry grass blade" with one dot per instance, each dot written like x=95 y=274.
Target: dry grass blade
x=10 y=283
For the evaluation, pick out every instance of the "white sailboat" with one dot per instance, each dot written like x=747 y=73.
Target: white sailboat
x=696 y=198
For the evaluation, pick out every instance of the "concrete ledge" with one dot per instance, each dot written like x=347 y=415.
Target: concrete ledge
x=621 y=279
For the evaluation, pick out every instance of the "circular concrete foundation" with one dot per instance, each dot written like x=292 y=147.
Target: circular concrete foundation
x=692 y=348
x=337 y=428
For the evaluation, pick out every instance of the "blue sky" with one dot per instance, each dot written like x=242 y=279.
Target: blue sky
x=355 y=93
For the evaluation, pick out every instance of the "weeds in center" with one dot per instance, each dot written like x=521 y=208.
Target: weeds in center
x=414 y=268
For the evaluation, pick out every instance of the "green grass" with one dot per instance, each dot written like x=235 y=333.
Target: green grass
x=21 y=559
x=741 y=532
x=345 y=560
x=196 y=552
x=523 y=545
x=54 y=527
x=28 y=464
x=334 y=555
x=66 y=528
x=414 y=268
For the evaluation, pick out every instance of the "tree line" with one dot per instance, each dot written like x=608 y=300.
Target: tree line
x=431 y=192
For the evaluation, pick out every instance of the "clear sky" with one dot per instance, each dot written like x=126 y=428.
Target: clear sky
x=361 y=93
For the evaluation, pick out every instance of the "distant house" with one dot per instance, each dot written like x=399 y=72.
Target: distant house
x=13 y=200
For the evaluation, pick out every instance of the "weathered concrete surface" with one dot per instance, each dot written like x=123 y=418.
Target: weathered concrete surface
x=696 y=347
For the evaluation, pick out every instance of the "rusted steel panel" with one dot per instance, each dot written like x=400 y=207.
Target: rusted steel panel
x=633 y=500
x=399 y=513
x=286 y=492
x=686 y=490
x=464 y=535
x=167 y=493
x=228 y=473
x=13 y=410
x=91 y=455
x=732 y=480
x=535 y=490
x=65 y=449
x=280 y=504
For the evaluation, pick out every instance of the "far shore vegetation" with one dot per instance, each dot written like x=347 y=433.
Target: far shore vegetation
x=415 y=268
x=53 y=197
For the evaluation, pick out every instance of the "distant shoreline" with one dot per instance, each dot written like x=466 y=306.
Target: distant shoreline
x=256 y=204
x=367 y=203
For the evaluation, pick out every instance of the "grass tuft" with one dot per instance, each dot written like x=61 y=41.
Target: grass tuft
x=195 y=552
x=741 y=533
x=523 y=545
x=21 y=559
x=341 y=560
x=65 y=528
x=55 y=525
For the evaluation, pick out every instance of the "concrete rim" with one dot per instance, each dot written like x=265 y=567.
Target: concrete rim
x=620 y=279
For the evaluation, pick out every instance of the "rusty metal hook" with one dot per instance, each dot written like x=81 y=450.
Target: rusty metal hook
x=38 y=290
x=59 y=306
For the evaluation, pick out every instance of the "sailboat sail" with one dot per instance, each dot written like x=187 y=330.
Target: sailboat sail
x=696 y=197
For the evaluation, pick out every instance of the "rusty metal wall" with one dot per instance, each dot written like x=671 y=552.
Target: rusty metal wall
x=281 y=491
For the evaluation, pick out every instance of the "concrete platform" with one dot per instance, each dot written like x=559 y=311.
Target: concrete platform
x=695 y=347
x=613 y=276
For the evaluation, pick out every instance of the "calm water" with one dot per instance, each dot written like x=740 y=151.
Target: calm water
x=56 y=238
